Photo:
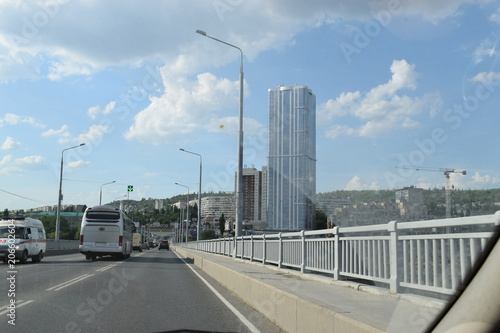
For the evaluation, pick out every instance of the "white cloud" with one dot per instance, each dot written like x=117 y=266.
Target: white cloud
x=78 y=164
x=75 y=45
x=487 y=77
x=10 y=165
x=93 y=135
x=487 y=49
x=482 y=180
x=62 y=132
x=355 y=184
x=382 y=109
x=495 y=17
x=9 y=144
x=94 y=111
x=6 y=159
x=61 y=69
x=14 y=119
x=30 y=160
x=188 y=106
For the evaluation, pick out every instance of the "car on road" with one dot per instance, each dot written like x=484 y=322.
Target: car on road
x=164 y=245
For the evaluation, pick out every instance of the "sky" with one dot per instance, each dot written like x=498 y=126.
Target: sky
x=398 y=83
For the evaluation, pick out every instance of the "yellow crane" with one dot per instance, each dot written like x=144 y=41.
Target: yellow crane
x=446 y=172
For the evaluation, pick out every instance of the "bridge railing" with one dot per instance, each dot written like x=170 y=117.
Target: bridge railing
x=432 y=255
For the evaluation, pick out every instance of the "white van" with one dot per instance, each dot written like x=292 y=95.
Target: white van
x=21 y=238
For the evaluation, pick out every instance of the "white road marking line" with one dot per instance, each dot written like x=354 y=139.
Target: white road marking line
x=102 y=269
x=18 y=305
x=238 y=314
x=70 y=282
x=68 y=259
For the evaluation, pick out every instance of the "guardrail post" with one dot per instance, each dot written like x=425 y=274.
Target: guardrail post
x=242 y=247
x=280 y=250
x=251 y=247
x=336 y=253
x=235 y=250
x=393 y=253
x=264 y=249
x=304 y=254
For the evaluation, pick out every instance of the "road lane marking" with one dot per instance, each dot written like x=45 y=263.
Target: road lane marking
x=70 y=282
x=102 y=269
x=18 y=305
x=238 y=314
x=68 y=259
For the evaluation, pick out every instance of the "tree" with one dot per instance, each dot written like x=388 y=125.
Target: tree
x=321 y=220
x=207 y=234
x=65 y=230
x=222 y=224
x=5 y=212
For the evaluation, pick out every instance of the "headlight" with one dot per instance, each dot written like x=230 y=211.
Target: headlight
x=17 y=247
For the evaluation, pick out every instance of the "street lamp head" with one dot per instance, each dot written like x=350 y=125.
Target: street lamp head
x=82 y=144
x=201 y=32
x=181 y=149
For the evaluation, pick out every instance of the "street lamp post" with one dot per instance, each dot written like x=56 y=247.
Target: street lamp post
x=120 y=197
x=199 y=194
x=239 y=172
x=187 y=209
x=100 y=192
x=59 y=199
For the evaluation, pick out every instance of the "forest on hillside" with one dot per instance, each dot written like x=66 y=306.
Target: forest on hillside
x=470 y=202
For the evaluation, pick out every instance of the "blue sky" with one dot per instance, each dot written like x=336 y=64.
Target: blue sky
x=397 y=83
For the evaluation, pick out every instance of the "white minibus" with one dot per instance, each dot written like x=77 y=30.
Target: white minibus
x=21 y=238
x=106 y=231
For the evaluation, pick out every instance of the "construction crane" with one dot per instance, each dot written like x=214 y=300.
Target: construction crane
x=446 y=173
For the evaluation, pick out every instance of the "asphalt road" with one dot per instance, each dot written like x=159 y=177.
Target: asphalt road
x=153 y=291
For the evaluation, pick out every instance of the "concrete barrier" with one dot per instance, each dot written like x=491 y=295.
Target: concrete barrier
x=56 y=252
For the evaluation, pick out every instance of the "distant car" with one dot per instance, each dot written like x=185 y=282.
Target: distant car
x=152 y=244
x=164 y=245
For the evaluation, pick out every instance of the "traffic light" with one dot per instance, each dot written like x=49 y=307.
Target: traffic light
x=130 y=188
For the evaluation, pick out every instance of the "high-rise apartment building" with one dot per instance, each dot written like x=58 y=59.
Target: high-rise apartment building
x=263 y=213
x=292 y=158
x=252 y=195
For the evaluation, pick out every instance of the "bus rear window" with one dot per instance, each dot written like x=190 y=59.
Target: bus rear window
x=108 y=216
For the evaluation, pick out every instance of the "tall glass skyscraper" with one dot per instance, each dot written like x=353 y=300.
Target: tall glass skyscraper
x=291 y=164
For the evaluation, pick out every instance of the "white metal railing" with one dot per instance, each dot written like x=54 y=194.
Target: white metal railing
x=432 y=255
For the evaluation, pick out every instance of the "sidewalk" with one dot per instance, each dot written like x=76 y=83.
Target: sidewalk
x=306 y=303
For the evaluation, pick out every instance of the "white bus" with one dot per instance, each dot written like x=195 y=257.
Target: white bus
x=106 y=231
